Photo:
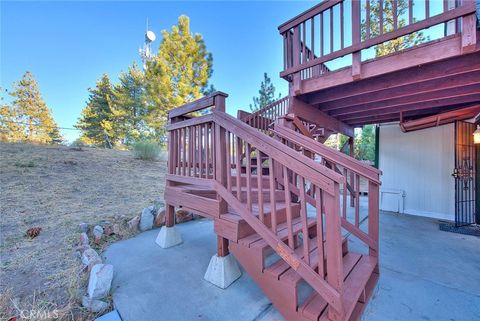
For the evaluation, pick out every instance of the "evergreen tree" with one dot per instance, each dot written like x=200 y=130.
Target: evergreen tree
x=10 y=130
x=130 y=100
x=29 y=109
x=99 y=120
x=266 y=94
x=365 y=143
x=388 y=24
x=179 y=73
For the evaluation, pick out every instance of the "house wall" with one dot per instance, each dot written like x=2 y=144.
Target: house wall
x=417 y=168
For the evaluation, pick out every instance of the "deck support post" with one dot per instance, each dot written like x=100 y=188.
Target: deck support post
x=223 y=269
x=169 y=235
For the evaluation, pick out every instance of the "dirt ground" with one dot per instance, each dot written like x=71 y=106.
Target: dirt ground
x=56 y=188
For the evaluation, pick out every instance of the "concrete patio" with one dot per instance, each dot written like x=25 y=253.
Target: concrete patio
x=426 y=274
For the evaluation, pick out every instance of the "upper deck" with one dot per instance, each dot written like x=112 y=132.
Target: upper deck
x=377 y=61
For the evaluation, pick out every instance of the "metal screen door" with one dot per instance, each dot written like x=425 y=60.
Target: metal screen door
x=464 y=174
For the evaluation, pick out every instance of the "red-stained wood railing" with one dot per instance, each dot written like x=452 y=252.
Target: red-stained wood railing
x=353 y=172
x=264 y=117
x=211 y=150
x=316 y=26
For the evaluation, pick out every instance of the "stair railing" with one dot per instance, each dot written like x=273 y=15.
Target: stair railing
x=355 y=174
x=211 y=150
x=264 y=117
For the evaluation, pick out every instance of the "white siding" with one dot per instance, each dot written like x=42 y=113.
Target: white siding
x=420 y=163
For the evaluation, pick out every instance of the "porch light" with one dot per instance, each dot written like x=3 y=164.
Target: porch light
x=476 y=135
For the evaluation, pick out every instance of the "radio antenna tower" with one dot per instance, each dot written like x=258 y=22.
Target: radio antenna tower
x=146 y=51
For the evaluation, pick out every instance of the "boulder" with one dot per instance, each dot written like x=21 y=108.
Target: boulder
x=146 y=219
x=97 y=233
x=116 y=228
x=183 y=216
x=90 y=257
x=160 y=217
x=84 y=240
x=100 y=281
x=83 y=227
x=93 y=305
x=133 y=223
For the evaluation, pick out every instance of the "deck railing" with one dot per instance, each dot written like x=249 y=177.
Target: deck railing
x=323 y=34
x=353 y=172
x=212 y=150
x=264 y=117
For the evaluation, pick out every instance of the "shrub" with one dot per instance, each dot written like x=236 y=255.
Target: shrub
x=146 y=150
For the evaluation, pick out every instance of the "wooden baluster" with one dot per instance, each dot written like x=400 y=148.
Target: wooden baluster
x=200 y=151
x=304 y=43
x=303 y=214
x=273 y=202
x=207 y=152
x=373 y=215
x=380 y=12
x=259 y=186
x=288 y=204
x=367 y=20
x=249 y=177
x=427 y=9
x=321 y=34
x=239 y=168
x=229 y=163
x=320 y=244
x=345 y=189
x=184 y=145
x=331 y=30
x=342 y=41
x=357 y=198
x=351 y=151
x=410 y=12
x=177 y=151
x=312 y=37
x=194 y=150
x=356 y=39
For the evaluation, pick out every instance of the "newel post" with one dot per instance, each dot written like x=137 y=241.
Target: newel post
x=220 y=152
x=469 y=33
x=334 y=245
x=356 y=38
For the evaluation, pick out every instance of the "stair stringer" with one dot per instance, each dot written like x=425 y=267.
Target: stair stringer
x=279 y=293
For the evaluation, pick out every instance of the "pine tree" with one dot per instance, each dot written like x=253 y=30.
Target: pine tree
x=130 y=99
x=29 y=108
x=266 y=94
x=99 y=119
x=179 y=73
x=10 y=129
x=388 y=23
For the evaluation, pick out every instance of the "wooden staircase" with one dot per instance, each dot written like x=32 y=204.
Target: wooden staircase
x=284 y=217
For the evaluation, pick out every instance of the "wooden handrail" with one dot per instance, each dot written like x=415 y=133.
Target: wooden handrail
x=199 y=104
x=297 y=24
x=321 y=175
x=367 y=171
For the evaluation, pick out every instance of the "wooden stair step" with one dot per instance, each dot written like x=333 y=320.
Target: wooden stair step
x=357 y=270
x=280 y=268
x=257 y=241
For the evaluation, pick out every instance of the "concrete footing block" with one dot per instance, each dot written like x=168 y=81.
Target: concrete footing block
x=168 y=237
x=222 y=271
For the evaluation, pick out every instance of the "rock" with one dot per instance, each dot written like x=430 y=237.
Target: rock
x=110 y=316
x=146 y=220
x=116 y=228
x=183 y=216
x=100 y=281
x=93 y=305
x=133 y=223
x=160 y=217
x=90 y=257
x=84 y=240
x=97 y=233
x=83 y=227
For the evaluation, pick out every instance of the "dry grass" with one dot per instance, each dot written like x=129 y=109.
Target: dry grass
x=56 y=188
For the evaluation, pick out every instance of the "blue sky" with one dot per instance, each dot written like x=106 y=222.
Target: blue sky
x=68 y=45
